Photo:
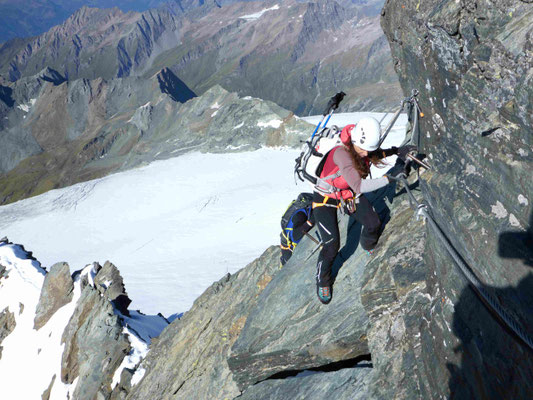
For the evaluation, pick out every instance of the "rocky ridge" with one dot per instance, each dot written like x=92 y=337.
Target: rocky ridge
x=58 y=132
x=95 y=337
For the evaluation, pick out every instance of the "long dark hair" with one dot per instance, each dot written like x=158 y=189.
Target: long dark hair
x=359 y=163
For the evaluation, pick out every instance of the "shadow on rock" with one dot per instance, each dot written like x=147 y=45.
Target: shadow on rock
x=378 y=200
x=517 y=244
x=495 y=363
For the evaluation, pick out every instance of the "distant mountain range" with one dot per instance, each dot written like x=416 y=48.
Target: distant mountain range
x=56 y=133
x=296 y=54
x=25 y=18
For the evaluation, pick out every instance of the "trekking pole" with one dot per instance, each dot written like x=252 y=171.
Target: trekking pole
x=333 y=104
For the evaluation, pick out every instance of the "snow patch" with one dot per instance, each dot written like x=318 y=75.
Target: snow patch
x=26 y=107
x=238 y=126
x=232 y=147
x=471 y=170
x=523 y=200
x=499 y=210
x=215 y=106
x=275 y=123
x=514 y=221
x=215 y=113
x=26 y=351
x=257 y=15
x=522 y=152
x=138 y=352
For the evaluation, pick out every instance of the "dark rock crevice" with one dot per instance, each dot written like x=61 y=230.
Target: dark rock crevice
x=357 y=362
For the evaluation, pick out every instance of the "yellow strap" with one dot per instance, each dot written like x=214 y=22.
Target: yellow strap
x=324 y=203
x=315 y=205
x=291 y=245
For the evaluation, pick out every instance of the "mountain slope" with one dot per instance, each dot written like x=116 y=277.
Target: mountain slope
x=60 y=134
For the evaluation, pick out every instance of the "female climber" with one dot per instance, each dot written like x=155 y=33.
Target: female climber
x=342 y=183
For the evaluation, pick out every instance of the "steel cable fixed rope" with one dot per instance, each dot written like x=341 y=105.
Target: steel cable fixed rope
x=479 y=288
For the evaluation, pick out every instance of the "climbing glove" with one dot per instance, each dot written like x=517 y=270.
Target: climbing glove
x=404 y=150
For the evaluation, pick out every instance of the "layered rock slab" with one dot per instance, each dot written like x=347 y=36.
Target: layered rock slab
x=57 y=291
x=95 y=344
x=346 y=384
x=188 y=360
x=290 y=330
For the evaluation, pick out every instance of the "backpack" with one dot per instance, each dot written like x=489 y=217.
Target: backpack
x=302 y=204
x=309 y=164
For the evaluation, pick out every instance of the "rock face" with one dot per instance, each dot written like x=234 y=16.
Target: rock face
x=473 y=64
x=56 y=292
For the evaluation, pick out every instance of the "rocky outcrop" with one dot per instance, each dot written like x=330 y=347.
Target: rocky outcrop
x=94 y=346
x=57 y=291
x=98 y=345
x=7 y=325
x=109 y=283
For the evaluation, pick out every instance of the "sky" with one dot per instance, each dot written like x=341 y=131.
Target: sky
x=173 y=227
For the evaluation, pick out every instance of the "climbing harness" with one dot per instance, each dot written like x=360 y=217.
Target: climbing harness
x=422 y=211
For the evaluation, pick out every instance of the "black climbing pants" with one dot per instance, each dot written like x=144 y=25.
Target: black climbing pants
x=326 y=220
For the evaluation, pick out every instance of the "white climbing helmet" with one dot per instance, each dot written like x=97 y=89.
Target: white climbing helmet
x=366 y=134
